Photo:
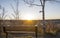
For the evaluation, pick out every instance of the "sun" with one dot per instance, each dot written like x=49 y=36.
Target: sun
x=28 y=16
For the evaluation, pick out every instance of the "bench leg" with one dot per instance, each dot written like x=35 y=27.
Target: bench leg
x=6 y=35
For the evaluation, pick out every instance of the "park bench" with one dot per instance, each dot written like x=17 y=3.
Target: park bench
x=19 y=29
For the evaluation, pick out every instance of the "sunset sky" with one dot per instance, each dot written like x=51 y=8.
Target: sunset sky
x=52 y=10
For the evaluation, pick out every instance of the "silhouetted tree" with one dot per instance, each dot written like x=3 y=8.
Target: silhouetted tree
x=3 y=13
x=16 y=11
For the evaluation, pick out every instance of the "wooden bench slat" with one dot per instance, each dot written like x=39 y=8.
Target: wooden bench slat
x=20 y=32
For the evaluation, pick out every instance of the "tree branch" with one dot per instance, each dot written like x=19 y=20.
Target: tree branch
x=5 y=16
x=13 y=8
x=53 y=1
x=31 y=3
x=25 y=1
x=13 y=15
x=36 y=4
x=41 y=2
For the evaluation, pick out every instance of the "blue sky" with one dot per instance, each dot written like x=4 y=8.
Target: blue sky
x=52 y=9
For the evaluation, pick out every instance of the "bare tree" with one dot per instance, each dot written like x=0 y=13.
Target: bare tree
x=3 y=13
x=16 y=11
